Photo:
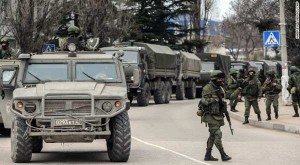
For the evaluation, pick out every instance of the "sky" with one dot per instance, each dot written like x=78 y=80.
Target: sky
x=223 y=7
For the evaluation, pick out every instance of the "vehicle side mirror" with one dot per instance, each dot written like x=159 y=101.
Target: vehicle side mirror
x=136 y=77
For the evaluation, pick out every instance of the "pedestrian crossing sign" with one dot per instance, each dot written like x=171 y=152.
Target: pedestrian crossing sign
x=271 y=38
x=49 y=48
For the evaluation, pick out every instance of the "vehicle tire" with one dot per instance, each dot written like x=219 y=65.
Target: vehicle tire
x=143 y=97
x=160 y=94
x=190 y=92
x=21 y=146
x=168 y=92
x=37 y=144
x=119 y=143
x=3 y=131
x=180 y=92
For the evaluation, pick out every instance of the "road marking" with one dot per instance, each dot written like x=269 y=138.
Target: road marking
x=174 y=152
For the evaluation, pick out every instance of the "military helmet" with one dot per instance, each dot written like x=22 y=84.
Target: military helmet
x=233 y=71
x=216 y=74
x=252 y=69
x=73 y=30
x=4 y=40
x=294 y=69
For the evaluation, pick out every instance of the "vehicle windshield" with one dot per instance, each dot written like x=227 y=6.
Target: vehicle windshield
x=238 y=66
x=96 y=72
x=7 y=76
x=208 y=66
x=46 y=72
x=129 y=56
x=259 y=66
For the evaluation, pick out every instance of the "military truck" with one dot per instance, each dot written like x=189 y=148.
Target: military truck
x=7 y=76
x=158 y=68
x=245 y=65
x=67 y=97
x=263 y=67
x=212 y=61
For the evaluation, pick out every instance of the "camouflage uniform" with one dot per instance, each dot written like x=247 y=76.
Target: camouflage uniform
x=5 y=51
x=251 y=91
x=272 y=88
x=233 y=86
x=292 y=88
x=212 y=96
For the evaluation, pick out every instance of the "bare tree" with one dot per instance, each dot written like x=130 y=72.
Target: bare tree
x=33 y=22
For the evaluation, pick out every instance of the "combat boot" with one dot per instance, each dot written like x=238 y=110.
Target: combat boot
x=246 y=120
x=258 y=117
x=276 y=115
x=269 y=117
x=224 y=156
x=208 y=156
x=233 y=110
x=296 y=113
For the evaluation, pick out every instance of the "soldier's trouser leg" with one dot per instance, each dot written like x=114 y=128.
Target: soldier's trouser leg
x=275 y=104
x=247 y=108
x=254 y=103
x=215 y=137
x=233 y=103
x=268 y=105
x=295 y=102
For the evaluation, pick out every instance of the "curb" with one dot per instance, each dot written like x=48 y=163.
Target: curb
x=267 y=124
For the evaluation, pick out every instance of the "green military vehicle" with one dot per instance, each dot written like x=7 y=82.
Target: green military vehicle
x=212 y=61
x=7 y=77
x=243 y=65
x=159 y=68
x=65 y=98
x=263 y=67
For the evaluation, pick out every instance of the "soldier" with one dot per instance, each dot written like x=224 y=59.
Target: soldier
x=214 y=107
x=5 y=51
x=271 y=88
x=233 y=85
x=252 y=93
x=240 y=78
x=292 y=88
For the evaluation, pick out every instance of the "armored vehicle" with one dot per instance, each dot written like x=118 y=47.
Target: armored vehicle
x=156 y=67
x=67 y=97
x=212 y=61
x=8 y=74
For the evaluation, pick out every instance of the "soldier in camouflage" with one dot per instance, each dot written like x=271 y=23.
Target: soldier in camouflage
x=294 y=81
x=271 y=88
x=212 y=101
x=5 y=51
x=252 y=93
x=233 y=86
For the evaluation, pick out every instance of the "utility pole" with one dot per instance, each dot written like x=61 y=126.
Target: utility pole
x=285 y=76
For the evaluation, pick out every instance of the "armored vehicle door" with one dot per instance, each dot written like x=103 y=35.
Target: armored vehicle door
x=8 y=80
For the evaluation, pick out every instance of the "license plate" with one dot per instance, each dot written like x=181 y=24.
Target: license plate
x=66 y=122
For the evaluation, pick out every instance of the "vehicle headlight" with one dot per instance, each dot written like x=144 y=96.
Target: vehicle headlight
x=19 y=105
x=131 y=78
x=118 y=104
x=107 y=106
x=72 y=47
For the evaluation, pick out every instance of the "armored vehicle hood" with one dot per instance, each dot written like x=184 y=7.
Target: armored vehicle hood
x=92 y=88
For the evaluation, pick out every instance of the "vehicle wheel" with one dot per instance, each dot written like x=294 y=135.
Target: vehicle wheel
x=21 y=146
x=37 y=144
x=143 y=97
x=3 y=131
x=190 y=92
x=118 y=145
x=180 y=91
x=160 y=94
x=168 y=92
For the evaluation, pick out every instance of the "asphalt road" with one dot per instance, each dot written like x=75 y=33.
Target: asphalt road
x=173 y=134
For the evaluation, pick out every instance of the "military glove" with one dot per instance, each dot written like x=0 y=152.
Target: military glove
x=293 y=90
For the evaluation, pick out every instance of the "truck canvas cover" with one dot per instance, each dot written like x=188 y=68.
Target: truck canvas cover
x=161 y=59
x=223 y=62
x=191 y=64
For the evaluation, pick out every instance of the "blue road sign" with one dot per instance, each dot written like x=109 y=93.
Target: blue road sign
x=271 y=38
x=49 y=48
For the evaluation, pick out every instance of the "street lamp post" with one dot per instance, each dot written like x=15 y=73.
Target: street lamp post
x=285 y=76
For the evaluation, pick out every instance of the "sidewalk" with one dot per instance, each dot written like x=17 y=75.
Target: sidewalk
x=285 y=122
